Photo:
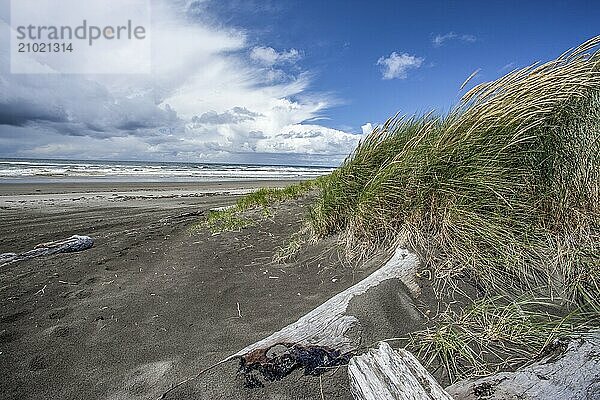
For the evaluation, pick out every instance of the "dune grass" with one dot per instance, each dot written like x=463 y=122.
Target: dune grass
x=503 y=192
x=233 y=218
x=266 y=197
x=496 y=333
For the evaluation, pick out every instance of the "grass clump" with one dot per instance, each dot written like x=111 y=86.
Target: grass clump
x=226 y=220
x=503 y=192
x=265 y=197
x=504 y=189
x=496 y=333
x=293 y=246
x=232 y=218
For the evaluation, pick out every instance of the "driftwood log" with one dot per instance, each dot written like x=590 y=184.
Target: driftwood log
x=387 y=374
x=70 y=245
x=568 y=371
x=321 y=339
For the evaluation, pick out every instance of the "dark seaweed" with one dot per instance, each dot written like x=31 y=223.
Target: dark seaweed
x=314 y=359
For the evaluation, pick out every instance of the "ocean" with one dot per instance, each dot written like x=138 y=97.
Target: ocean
x=77 y=171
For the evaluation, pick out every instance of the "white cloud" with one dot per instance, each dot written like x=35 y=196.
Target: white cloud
x=396 y=65
x=439 y=39
x=508 y=67
x=268 y=56
x=204 y=101
x=367 y=128
x=309 y=139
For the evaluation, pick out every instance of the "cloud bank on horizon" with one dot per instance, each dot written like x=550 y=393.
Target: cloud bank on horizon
x=212 y=97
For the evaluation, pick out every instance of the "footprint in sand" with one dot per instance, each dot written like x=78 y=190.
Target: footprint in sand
x=58 y=313
x=78 y=294
x=12 y=318
x=38 y=363
x=6 y=336
x=141 y=382
x=58 y=331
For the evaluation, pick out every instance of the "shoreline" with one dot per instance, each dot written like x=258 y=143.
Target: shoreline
x=55 y=187
x=54 y=196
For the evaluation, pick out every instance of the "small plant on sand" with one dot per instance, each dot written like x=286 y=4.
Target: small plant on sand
x=233 y=218
x=225 y=221
x=291 y=248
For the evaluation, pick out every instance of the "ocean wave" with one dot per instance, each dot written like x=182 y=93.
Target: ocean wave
x=24 y=169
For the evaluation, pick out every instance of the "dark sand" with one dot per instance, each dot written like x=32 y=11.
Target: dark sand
x=151 y=303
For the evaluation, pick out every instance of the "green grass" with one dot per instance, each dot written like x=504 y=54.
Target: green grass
x=265 y=197
x=225 y=221
x=233 y=218
x=502 y=193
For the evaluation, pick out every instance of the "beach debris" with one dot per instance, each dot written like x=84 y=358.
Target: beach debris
x=387 y=374
x=42 y=290
x=74 y=243
x=68 y=283
x=277 y=362
x=223 y=208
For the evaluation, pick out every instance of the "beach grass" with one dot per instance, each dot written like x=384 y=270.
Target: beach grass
x=265 y=197
x=502 y=193
x=234 y=218
x=225 y=221
x=497 y=333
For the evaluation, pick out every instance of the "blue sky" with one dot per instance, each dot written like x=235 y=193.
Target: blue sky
x=342 y=41
x=285 y=82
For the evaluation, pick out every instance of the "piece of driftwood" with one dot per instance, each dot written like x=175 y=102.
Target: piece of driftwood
x=222 y=208
x=387 y=374
x=70 y=245
x=568 y=371
x=319 y=339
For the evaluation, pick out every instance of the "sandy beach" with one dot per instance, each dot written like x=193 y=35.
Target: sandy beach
x=255 y=200
x=153 y=302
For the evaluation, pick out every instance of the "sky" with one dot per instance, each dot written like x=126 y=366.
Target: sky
x=278 y=82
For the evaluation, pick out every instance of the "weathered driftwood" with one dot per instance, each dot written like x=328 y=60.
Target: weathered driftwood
x=386 y=374
x=222 y=208
x=570 y=370
x=72 y=244
x=319 y=339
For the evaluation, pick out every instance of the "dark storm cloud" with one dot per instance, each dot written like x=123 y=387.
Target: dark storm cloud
x=74 y=106
x=19 y=113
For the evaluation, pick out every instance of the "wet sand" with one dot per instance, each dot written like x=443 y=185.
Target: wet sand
x=153 y=302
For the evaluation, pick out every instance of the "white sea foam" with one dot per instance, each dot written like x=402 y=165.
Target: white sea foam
x=50 y=170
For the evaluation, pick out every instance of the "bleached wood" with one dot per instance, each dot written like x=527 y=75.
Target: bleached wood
x=326 y=326
x=72 y=244
x=222 y=208
x=387 y=374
